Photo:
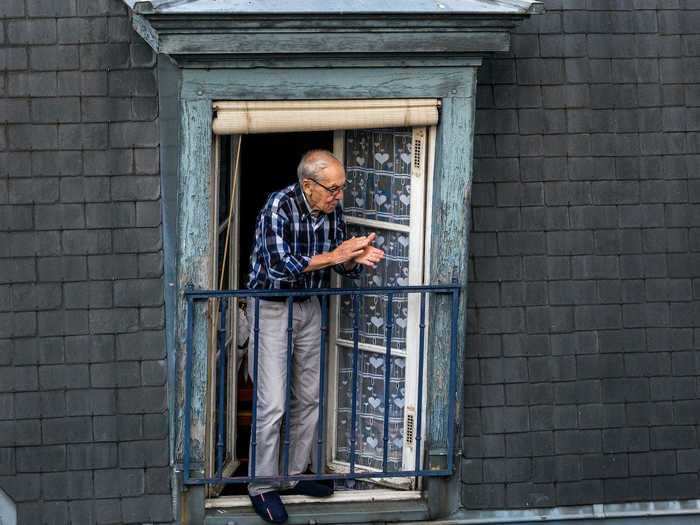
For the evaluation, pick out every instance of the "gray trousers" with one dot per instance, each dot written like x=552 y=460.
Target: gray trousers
x=272 y=387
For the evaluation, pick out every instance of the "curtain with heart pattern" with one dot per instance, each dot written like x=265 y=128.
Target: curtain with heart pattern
x=378 y=169
x=392 y=271
x=369 y=433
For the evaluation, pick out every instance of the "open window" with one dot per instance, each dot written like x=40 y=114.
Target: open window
x=388 y=165
x=246 y=169
x=386 y=172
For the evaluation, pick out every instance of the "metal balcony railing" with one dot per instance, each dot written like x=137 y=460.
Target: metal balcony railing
x=192 y=296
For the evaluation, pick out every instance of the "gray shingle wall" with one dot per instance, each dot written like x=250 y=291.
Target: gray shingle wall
x=83 y=423
x=582 y=379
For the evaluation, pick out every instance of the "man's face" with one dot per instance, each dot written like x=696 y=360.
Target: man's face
x=319 y=196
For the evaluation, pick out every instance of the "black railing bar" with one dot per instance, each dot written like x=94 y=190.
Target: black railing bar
x=222 y=387
x=288 y=386
x=387 y=377
x=188 y=386
x=299 y=477
x=433 y=288
x=452 y=388
x=191 y=296
x=254 y=428
x=419 y=405
x=320 y=452
x=355 y=355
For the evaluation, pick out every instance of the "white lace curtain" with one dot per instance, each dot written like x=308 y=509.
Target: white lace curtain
x=378 y=166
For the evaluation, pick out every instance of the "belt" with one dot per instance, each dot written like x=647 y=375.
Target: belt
x=301 y=299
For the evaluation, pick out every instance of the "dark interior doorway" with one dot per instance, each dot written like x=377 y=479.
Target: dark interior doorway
x=268 y=164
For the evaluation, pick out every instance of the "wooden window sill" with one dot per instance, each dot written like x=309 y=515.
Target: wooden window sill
x=357 y=506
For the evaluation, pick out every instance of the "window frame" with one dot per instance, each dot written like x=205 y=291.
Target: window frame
x=417 y=274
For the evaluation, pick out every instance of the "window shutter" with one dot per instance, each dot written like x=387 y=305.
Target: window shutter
x=241 y=117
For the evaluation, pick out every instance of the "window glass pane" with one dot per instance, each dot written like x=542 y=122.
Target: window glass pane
x=369 y=429
x=378 y=168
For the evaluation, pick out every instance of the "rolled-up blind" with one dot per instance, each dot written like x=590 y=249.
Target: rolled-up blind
x=236 y=117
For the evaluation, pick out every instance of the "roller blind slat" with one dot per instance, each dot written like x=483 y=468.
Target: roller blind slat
x=321 y=115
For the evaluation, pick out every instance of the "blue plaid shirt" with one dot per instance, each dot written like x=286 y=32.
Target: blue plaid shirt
x=287 y=235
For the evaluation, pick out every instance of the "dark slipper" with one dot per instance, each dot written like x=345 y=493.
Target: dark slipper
x=315 y=489
x=269 y=507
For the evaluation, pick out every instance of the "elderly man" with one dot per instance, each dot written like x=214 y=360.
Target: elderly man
x=300 y=235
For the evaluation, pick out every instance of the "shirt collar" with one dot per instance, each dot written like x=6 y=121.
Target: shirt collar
x=303 y=202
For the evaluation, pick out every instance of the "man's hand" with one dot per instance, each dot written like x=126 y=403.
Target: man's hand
x=348 y=250
x=370 y=255
x=357 y=250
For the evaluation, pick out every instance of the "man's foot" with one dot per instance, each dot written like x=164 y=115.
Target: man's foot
x=269 y=507
x=315 y=489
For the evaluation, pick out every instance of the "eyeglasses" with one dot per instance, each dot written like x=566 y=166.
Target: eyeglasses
x=335 y=190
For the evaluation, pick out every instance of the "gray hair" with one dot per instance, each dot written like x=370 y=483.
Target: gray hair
x=313 y=162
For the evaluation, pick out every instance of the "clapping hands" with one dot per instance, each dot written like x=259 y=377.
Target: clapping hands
x=359 y=250
x=370 y=255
